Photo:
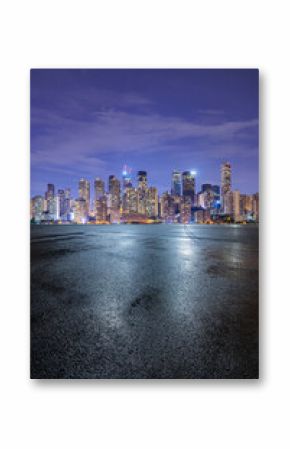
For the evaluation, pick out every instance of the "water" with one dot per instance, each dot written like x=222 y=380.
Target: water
x=144 y=301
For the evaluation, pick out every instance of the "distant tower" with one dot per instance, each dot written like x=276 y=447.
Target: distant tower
x=226 y=181
x=61 y=203
x=100 y=203
x=142 y=179
x=226 y=178
x=84 y=192
x=114 y=199
x=188 y=184
x=50 y=201
x=142 y=191
x=176 y=183
x=152 y=202
x=99 y=188
x=126 y=176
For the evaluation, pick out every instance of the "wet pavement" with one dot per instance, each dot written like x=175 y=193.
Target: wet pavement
x=144 y=301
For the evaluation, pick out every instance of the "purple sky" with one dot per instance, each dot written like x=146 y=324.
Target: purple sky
x=89 y=123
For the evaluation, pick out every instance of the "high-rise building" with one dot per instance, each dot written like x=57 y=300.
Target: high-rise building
x=126 y=178
x=100 y=200
x=226 y=181
x=101 y=208
x=188 y=185
x=80 y=211
x=84 y=192
x=228 y=203
x=99 y=188
x=185 y=210
x=256 y=206
x=142 y=179
x=168 y=210
x=68 y=199
x=114 y=199
x=50 y=201
x=37 y=208
x=142 y=191
x=130 y=201
x=236 y=205
x=176 y=185
x=152 y=202
x=62 y=204
x=209 y=196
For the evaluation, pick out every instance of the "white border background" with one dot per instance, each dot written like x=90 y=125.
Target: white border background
x=161 y=414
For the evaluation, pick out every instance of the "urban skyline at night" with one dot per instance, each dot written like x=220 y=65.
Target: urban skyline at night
x=132 y=198
x=88 y=122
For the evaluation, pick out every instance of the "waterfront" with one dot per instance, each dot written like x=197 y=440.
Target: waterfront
x=144 y=301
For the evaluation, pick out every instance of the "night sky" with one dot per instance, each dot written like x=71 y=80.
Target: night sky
x=89 y=123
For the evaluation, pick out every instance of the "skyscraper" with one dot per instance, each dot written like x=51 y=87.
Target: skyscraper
x=100 y=204
x=99 y=188
x=256 y=206
x=84 y=192
x=142 y=179
x=68 y=199
x=142 y=191
x=37 y=208
x=226 y=179
x=168 y=208
x=61 y=203
x=80 y=214
x=114 y=197
x=209 y=196
x=228 y=203
x=50 y=202
x=152 y=202
x=176 y=183
x=126 y=177
x=236 y=205
x=188 y=184
x=185 y=210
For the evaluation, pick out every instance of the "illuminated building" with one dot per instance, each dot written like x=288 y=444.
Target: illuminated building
x=142 y=179
x=226 y=182
x=236 y=205
x=228 y=203
x=185 y=210
x=176 y=185
x=188 y=185
x=50 y=202
x=67 y=195
x=152 y=202
x=99 y=192
x=132 y=200
x=80 y=211
x=101 y=208
x=209 y=197
x=62 y=204
x=37 y=208
x=84 y=192
x=126 y=178
x=99 y=188
x=168 y=208
x=142 y=191
x=114 y=199
x=256 y=206
x=202 y=216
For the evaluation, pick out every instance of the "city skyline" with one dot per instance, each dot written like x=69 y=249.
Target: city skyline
x=86 y=123
x=134 y=199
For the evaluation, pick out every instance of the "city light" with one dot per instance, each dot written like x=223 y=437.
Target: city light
x=124 y=202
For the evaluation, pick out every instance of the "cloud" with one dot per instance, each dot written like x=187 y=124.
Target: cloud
x=59 y=139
